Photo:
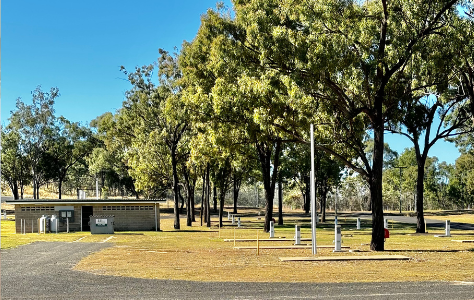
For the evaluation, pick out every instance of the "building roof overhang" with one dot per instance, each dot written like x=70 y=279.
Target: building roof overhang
x=85 y=201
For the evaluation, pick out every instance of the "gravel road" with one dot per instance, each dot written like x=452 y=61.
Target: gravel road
x=43 y=270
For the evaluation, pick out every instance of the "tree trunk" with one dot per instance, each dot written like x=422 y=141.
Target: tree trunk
x=221 y=202
x=270 y=174
x=208 y=198
x=324 y=196
x=280 y=204
x=175 y=187
x=307 y=195
x=420 y=219
x=193 y=187
x=214 y=196
x=203 y=197
x=34 y=189
x=375 y=182
x=181 y=198
x=60 y=184
x=189 y=218
x=14 y=188
x=236 y=192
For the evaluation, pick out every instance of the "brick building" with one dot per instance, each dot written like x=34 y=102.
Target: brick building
x=130 y=214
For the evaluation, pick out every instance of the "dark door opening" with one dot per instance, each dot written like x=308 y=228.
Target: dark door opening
x=87 y=211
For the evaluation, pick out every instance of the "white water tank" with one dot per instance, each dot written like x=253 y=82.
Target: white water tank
x=44 y=223
x=54 y=223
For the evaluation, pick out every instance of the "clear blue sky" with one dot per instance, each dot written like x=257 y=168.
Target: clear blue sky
x=79 y=46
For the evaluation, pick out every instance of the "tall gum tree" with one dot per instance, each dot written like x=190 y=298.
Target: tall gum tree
x=230 y=90
x=155 y=122
x=351 y=57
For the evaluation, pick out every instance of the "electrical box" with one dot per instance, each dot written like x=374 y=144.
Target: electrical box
x=102 y=224
x=66 y=214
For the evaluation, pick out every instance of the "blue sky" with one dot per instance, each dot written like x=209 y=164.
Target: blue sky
x=79 y=46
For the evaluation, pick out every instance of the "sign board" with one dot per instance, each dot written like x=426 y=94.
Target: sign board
x=101 y=222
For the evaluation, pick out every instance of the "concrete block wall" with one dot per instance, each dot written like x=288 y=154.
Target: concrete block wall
x=31 y=214
x=130 y=220
x=137 y=219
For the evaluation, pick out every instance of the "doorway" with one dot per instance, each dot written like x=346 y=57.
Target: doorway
x=87 y=211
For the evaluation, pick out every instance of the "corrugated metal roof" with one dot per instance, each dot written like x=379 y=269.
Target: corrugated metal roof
x=84 y=201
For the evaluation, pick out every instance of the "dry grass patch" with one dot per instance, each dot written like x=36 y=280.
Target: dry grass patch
x=462 y=218
x=199 y=254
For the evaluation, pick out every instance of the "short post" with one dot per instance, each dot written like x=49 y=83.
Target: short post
x=5 y=215
x=238 y=222
x=233 y=220
x=385 y=223
x=297 y=235
x=337 y=238
x=228 y=215
x=272 y=230
x=21 y=226
x=358 y=223
x=67 y=225
x=448 y=228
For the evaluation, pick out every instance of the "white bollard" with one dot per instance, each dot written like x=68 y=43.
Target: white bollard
x=67 y=225
x=272 y=230
x=297 y=235
x=358 y=223
x=233 y=220
x=337 y=238
x=228 y=215
x=238 y=222
x=5 y=215
x=448 y=228
x=385 y=223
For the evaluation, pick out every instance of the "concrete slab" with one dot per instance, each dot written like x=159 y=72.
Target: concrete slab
x=346 y=258
x=267 y=240
x=463 y=241
x=290 y=247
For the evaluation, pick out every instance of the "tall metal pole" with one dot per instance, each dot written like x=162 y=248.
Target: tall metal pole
x=313 y=202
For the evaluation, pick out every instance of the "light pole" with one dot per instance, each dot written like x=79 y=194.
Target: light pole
x=400 y=186
x=313 y=202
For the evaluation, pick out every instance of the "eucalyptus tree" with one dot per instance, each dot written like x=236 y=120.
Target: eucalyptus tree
x=16 y=169
x=352 y=58
x=229 y=89
x=108 y=159
x=35 y=126
x=152 y=123
x=70 y=144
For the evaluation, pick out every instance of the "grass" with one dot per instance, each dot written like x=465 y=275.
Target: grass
x=462 y=218
x=200 y=254
x=9 y=239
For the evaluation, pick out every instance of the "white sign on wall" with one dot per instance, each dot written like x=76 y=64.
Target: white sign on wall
x=101 y=222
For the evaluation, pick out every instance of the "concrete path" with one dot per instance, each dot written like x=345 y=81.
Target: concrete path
x=43 y=271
